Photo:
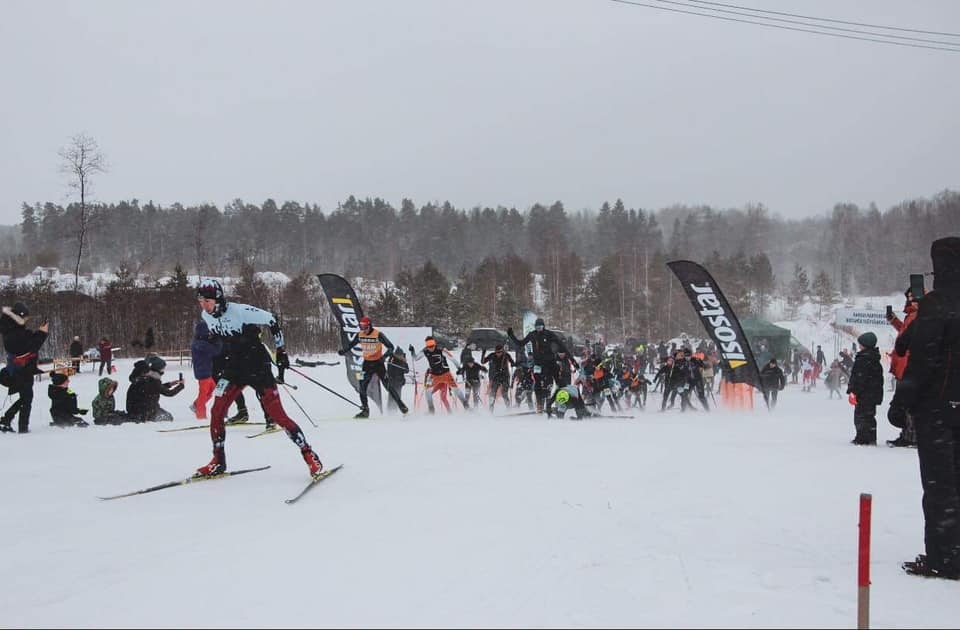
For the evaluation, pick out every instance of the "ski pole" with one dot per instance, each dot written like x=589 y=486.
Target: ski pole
x=318 y=383
x=297 y=403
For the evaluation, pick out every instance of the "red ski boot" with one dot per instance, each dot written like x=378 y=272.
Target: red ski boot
x=217 y=465
x=313 y=462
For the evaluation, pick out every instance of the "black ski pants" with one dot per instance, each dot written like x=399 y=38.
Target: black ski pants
x=938 y=449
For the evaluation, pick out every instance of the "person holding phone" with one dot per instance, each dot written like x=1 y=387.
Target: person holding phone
x=23 y=347
x=930 y=392
x=143 y=397
x=899 y=359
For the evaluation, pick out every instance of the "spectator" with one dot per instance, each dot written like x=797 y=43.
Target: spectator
x=899 y=359
x=202 y=351
x=22 y=346
x=106 y=355
x=930 y=391
x=834 y=379
x=773 y=380
x=105 y=405
x=76 y=353
x=865 y=389
x=63 y=402
x=821 y=358
x=143 y=397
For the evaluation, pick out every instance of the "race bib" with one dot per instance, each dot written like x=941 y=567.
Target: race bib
x=537 y=369
x=222 y=385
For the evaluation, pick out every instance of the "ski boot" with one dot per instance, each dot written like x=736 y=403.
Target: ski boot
x=403 y=409
x=313 y=462
x=922 y=567
x=364 y=413
x=270 y=425
x=217 y=465
x=239 y=418
x=5 y=425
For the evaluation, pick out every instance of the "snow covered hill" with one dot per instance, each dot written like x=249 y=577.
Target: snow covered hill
x=725 y=519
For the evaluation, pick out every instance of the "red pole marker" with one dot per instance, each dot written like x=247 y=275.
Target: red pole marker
x=863 y=565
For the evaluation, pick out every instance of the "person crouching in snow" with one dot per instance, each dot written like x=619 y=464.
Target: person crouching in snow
x=63 y=403
x=143 y=397
x=105 y=404
x=563 y=398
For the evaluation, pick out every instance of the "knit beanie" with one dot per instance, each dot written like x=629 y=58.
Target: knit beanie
x=58 y=378
x=867 y=340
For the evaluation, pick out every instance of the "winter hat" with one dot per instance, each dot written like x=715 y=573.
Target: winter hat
x=58 y=378
x=21 y=309
x=945 y=254
x=867 y=340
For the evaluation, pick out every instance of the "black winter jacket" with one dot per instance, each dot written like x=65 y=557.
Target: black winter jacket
x=866 y=377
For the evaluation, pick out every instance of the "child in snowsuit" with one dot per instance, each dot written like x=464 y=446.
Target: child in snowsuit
x=105 y=404
x=865 y=389
x=63 y=403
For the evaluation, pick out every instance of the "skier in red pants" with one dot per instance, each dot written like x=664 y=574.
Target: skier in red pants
x=246 y=362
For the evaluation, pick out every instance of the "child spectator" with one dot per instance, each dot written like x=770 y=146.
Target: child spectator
x=143 y=397
x=202 y=351
x=106 y=355
x=865 y=389
x=105 y=405
x=63 y=403
x=834 y=379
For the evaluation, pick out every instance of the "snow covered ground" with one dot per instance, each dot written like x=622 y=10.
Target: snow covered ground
x=672 y=520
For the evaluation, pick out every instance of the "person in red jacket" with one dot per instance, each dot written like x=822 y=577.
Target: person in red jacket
x=898 y=362
x=106 y=355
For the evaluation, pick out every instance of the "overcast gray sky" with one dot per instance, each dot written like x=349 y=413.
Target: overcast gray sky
x=479 y=102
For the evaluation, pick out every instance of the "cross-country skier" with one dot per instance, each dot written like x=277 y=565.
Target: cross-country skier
x=436 y=356
x=545 y=344
x=246 y=362
x=500 y=362
x=373 y=343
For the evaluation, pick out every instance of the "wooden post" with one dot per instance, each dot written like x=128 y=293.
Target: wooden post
x=863 y=565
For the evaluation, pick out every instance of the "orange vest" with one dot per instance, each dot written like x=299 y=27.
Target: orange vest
x=371 y=346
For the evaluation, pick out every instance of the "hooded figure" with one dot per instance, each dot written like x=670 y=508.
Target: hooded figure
x=104 y=406
x=930 y=390
x=22 y=346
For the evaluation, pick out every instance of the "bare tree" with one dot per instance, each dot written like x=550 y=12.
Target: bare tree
x=80 y=160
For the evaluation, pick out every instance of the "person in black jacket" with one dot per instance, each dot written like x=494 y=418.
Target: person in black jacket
x=143 y=396
x=470 y=370
x=63 y=403
x=76 y=353
x=22 y=347
x=865 y=389
x=930 y=391
x=397 y=369
x=773 y=381
x=500 y=363
x=545 y=344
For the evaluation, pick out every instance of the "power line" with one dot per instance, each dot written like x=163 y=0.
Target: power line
x=787 y=28
x=807 y=17
x=835 y=28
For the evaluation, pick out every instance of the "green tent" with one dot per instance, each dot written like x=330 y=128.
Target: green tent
x=775 y=338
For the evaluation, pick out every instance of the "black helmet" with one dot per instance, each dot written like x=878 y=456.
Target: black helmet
x=157 y=364
x=540 y=323
x=211 y=289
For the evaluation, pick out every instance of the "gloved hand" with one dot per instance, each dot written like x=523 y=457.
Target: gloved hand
x=283 y=361
x=897 y=415
x=341 y=352
x=82 y=412
x=412 y=350
x=852 y=399
x=510 y=332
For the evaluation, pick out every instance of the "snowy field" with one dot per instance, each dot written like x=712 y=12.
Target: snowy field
x=672 y=520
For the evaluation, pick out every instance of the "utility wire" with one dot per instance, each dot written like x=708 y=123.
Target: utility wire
x=835 y=28
x=788 y=28
x=807 y=17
